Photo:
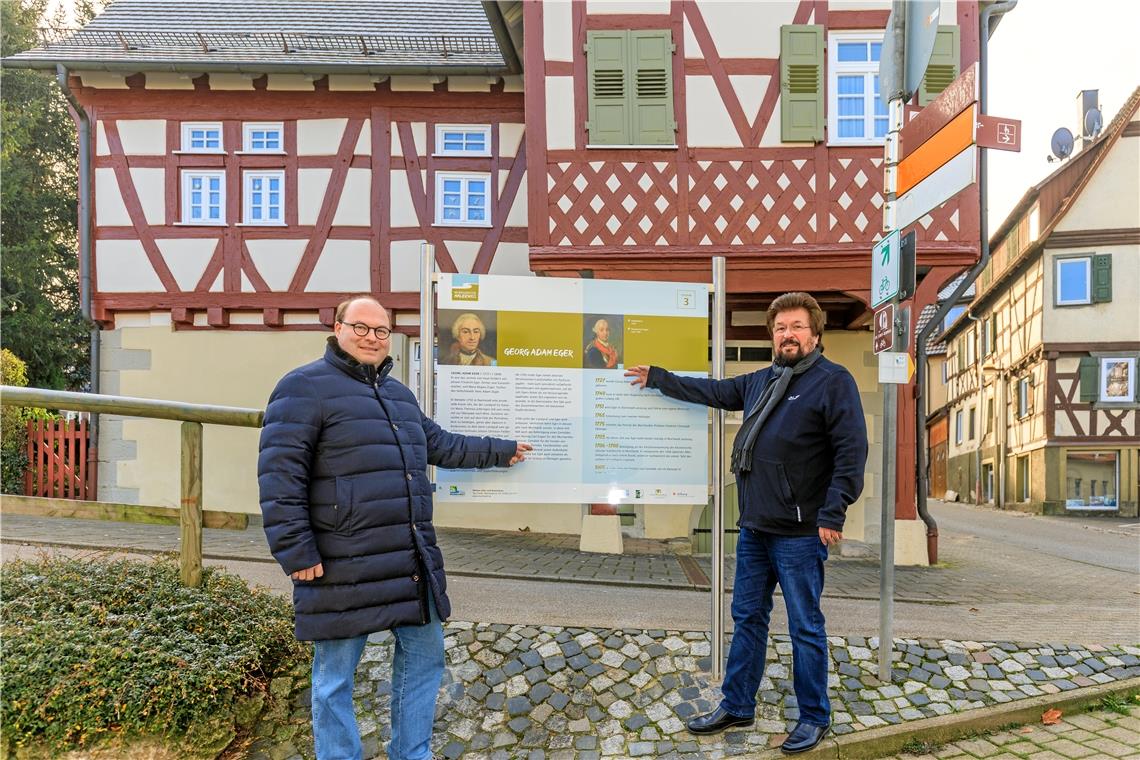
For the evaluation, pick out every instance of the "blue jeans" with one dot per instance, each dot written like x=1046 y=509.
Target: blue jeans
x=417 y=669
x=796 y=563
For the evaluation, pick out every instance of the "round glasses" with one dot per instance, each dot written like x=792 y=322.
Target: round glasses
x=362 y=329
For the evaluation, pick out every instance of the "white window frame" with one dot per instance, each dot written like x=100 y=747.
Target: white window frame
x=186 y=178
x=190 y=126
x=247 y=197
x=1087 y=261
x=247 y=130
x=1104 y=363
x=959 y=425
x=973 y=427
x=464 y=178
x=1079 y=503
x=1022 y=397
x=442 y=129
x=835 y=68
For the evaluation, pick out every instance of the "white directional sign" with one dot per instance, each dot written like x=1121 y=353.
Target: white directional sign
x=885 y=269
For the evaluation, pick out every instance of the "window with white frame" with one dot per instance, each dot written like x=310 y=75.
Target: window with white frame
x=202 y=137
x=462 y=199
x=1074 y=281
x=264 y=197
x=856 y=114
x=1023 y=397
x=204 y=197
x=1117 y=379
x=959 y=431
x=463 y=140
x=263 y=137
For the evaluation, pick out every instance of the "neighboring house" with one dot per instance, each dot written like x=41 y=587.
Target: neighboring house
x=241 y=191
x=1044 y=401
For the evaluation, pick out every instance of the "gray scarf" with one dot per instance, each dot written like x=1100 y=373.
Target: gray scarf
x=754 y=420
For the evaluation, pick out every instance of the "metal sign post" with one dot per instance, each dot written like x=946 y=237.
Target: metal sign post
x=427 y=335
x=716 y=654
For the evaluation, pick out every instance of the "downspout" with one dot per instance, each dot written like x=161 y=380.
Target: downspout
x=996 y=9
x=85 y=257
x=981 y=396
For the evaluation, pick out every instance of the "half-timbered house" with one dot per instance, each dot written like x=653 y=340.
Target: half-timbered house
x=257 y=161
x=1044 y=404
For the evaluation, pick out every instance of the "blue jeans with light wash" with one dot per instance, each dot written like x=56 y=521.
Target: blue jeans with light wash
x=796 y=563
x=417 y=669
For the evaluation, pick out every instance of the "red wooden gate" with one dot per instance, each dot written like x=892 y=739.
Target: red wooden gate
x=57 y=460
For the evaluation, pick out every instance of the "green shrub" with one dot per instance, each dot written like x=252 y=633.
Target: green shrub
x=13 y=426
x=103 y=649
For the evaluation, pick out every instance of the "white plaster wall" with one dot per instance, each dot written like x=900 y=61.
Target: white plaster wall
x=351 y=83
x=121 y=266
x=343 y=266
x=150 y=185
x=1117 y=320
x=110 y=211
x=413 y=83
x=510 y=137
x=560 y=124
x=311 y=186
x=364 y=141
x=404 y=263
x=470 y=84
x=276 y=260
x=709 y=124
x=1111 y=200
x=319 y=137
x=166 y=80
x=187 y=258
x=400 y=207
x=513 y=83
x=102 y=148
x=289 y=82
x=143 y=137
x=750 y=90
x=557 y=30
x=516 y=217
x=772 y=137
x=742 y=29
x=603 y=7
x=224 y=81
x=513 y=259
x=463 y=253
x=355 y=200
x=103 y=80
x=419 y=135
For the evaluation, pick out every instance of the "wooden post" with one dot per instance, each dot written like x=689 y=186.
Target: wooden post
x=190 y=557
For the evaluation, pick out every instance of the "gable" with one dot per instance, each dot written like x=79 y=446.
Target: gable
x=1112 y=195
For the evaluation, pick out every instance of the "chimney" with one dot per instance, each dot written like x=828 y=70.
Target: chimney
x=1087 y=100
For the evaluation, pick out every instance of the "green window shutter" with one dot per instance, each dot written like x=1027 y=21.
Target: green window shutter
x=1102 y=278
x=801 y=83
x=1089 y=371
x=651 y=78
x=609 y=96
x=945 y=63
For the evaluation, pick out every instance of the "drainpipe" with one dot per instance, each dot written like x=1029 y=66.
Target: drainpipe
x=980 y=395
x=996 y=9
x=86 y=260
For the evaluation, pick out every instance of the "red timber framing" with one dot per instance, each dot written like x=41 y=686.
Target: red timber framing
x=243 y=288
x=785 y=217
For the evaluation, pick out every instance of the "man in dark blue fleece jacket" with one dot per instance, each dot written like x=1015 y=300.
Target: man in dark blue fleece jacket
x=798 y=460
x=347 y=505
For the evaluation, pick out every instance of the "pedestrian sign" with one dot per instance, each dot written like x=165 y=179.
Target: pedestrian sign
x=885 y=269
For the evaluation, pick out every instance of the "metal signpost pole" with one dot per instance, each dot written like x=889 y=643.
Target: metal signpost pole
x=890 y=390
x=427 y=334
x=717 y=629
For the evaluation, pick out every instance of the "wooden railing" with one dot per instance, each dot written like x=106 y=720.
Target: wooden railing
x=192 y=417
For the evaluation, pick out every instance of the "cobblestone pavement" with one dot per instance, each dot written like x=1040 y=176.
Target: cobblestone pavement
x=1097 y=735
x=582 y=694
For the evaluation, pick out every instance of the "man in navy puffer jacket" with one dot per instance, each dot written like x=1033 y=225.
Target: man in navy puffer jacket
x=347 y=506
x=799 y=459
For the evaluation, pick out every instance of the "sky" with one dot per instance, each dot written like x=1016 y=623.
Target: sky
x=1042 y=54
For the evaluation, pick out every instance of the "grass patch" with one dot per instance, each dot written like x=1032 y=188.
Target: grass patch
x=97 y=651
x=1116 y=704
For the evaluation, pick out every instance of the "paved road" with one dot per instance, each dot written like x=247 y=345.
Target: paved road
x=1106 y=542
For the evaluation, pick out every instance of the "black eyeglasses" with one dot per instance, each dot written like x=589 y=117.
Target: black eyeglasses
x=362 y=329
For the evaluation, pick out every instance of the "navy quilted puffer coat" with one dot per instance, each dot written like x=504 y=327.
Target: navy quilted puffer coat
x=342 y=471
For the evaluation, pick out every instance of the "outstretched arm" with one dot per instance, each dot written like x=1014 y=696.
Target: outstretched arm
x=719 y=394
x=456 y=452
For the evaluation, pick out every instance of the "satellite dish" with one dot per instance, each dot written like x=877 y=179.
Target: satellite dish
x=1093 y=122
x=1062 y=143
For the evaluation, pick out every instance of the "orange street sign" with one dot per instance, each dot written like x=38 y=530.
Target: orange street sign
x=933 y=154
x=999 y=132
x=956 y=98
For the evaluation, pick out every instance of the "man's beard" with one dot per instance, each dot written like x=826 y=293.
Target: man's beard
x=785 y=360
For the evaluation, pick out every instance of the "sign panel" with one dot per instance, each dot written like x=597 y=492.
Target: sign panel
x=884 y=329
x=895 y=367
x=939 y=187
x=885 y=269
x=956 y=98
x=998 y=132
x=919 y=32
x=541 y=359
x=908 y=274
x=933 y=154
